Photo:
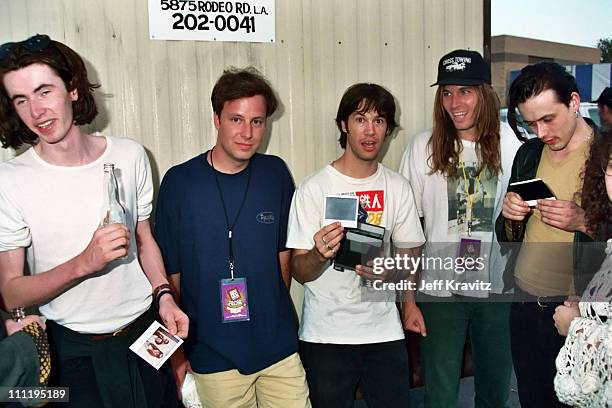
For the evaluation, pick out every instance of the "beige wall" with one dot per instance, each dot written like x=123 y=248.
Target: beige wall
x=158 y=92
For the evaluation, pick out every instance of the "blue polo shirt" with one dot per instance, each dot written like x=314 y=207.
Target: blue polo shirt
x=191 y=231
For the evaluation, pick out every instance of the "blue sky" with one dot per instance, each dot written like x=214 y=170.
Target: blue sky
x=578 y=22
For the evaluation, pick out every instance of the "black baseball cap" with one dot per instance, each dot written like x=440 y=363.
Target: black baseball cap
x=606 y=97
x=463 y=67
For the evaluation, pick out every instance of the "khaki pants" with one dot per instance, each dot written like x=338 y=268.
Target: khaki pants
x=282 y=384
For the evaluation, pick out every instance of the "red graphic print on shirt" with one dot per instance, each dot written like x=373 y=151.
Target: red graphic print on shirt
x=373 y=202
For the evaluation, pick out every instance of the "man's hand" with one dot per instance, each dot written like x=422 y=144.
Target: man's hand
x=367 y=272
x=174 y=318
x=564 y=314
x=107 y=244
x=413 y=318
x=180 y=367
x=327 y=241
x=13 y=326
x=307 y=264
x=514 y=208
x=562 y=214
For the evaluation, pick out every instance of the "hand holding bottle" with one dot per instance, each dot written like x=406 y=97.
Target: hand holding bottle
x=107 y=244
x=111 y=240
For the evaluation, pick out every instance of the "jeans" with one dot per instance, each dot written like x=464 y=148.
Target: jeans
x=448 y=325
x=334 y=371
x=535 y=345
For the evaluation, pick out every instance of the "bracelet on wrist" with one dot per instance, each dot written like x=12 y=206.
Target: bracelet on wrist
x=164 y=292
x=161 y=290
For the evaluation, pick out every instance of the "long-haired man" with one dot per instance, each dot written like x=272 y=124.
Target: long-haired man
x=459 y=172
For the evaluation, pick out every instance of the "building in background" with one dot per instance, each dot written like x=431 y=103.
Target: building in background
x=510 y=53
x=592 y=79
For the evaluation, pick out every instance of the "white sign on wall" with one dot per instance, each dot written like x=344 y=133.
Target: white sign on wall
x=207 y=20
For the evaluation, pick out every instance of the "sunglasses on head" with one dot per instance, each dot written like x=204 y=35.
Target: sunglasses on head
x=36 y=43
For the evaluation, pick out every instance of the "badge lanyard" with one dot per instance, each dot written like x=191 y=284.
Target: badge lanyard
x=230 y=227
x=470 y=197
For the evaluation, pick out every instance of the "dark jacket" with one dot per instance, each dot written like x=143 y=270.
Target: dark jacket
x=588 y=255
x=18 y=361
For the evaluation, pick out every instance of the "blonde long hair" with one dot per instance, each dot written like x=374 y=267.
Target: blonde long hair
x=445 y=145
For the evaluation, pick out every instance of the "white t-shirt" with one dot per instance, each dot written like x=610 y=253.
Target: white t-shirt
x=334 y=311
x=53 y=211
x=444 y=204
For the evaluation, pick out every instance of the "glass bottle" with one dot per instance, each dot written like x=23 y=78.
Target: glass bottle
x=114 y=213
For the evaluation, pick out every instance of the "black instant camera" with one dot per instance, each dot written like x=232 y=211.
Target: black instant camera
x=359 y=245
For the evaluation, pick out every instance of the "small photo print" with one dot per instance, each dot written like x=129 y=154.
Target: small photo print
x=341 y=208
x=156 y=345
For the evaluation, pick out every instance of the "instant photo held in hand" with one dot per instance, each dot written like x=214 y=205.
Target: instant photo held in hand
x=156 y=345
x=532 y=190
x=342 y=209
x=359 y=245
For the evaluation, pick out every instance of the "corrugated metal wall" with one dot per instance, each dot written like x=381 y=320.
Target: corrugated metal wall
x=158 y=92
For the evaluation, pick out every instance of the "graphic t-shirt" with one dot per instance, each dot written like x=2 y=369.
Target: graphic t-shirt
x=334 y=308
x=471 y=196
x=444 y=203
